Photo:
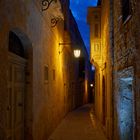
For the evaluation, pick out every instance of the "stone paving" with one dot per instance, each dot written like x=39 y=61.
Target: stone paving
x=78 y=125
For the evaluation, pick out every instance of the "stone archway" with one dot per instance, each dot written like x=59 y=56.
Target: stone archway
x=20 y=49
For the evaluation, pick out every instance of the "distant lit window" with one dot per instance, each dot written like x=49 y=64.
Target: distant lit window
x=97 y=47
x=15 y=44
x=126 y=9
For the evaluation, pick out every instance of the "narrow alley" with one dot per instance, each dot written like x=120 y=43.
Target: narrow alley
x=79 y=124
x=69 y=69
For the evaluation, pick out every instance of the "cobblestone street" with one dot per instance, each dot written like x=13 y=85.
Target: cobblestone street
x=78 y=125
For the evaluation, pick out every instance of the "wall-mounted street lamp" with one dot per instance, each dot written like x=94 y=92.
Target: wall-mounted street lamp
x=77 y=53
x=46 y=4
x=76 y=50
x=91 y=85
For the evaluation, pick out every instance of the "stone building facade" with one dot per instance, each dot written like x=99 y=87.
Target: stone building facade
x=39 y=80
x=118 y=53
x=126 y=65
x=83 y=62
x=100 y=53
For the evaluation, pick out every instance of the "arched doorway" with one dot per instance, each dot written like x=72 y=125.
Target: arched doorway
x=16 y=88
x=20 y=71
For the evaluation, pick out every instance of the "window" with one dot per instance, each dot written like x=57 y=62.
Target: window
x=54 y=74
x=15 y=45
x=46 y=76
x=96 y=30
x=126 y=9
x=97 y=47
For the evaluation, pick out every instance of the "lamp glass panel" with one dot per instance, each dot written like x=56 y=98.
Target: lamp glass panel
x=77 y=53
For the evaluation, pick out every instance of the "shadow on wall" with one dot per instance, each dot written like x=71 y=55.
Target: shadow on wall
x=125 y=104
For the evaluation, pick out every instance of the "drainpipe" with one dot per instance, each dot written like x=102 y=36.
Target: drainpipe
x=112 y=60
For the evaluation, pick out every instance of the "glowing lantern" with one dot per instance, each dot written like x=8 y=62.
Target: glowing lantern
x=77 y=53
x=91 y=85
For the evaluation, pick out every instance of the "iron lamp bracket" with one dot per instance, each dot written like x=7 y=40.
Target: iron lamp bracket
x=46 y=4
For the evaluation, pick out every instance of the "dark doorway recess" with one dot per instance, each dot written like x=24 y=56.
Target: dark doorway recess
x=15 y=45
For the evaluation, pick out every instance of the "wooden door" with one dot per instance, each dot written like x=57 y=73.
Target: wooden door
x=16 y=91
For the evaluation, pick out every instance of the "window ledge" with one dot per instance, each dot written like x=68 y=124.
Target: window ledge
x=127 y=19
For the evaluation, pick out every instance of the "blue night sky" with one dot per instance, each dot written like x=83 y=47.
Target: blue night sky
x=79 y=10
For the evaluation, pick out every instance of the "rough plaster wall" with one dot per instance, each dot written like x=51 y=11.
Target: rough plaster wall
x=48 y=103
x=125 y=104
x=124 y=51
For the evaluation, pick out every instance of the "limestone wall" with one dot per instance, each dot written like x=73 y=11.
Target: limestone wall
x=102 y=63
x=46 y=101
x=125 y=52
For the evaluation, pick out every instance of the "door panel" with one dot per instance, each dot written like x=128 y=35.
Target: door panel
x=16 y=91
x=19 y=107
x=9 y=111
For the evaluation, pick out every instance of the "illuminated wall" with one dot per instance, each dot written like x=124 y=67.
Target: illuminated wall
x=126 y=61
x=52 y=86
x=100 y=56
x=120 y=53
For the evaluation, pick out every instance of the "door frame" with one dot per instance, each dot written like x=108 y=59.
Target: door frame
x=15 y=60
x=28 y=55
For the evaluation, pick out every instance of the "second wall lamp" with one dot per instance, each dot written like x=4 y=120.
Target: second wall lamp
x=76 y=50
